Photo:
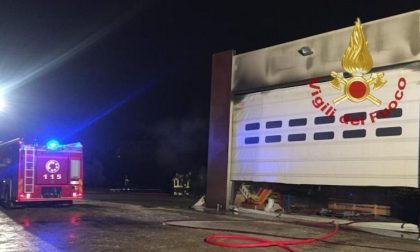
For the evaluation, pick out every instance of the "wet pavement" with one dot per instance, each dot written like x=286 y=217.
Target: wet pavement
x=159 y=222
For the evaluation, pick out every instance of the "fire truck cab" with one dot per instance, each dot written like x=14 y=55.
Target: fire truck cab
x=32 y=173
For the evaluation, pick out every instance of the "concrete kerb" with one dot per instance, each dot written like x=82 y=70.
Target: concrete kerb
x=389 y=226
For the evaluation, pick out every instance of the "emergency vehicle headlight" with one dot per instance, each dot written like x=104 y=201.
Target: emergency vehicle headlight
x=74 y=182
x=2 y=102
x=53 y=144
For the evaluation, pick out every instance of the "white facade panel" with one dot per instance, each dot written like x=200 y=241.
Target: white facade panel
x=264 y=151
x=392 y=40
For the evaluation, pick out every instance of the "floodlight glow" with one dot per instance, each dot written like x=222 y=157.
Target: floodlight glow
x=53 y=144
x=2 y=102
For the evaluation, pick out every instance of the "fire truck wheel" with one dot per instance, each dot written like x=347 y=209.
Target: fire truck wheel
x=68 y=203
x=9 y=202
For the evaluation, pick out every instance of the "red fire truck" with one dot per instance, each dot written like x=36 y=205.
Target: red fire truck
x=32 y=173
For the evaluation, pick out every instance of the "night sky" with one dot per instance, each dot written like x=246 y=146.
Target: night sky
x=131 y=79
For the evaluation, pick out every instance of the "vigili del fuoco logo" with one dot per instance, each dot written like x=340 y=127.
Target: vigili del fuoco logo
x=360 y=86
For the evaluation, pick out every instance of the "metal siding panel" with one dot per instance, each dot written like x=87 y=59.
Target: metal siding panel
x=392 y=40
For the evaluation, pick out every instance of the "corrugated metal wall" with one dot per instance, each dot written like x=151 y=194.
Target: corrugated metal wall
x=279 y=136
